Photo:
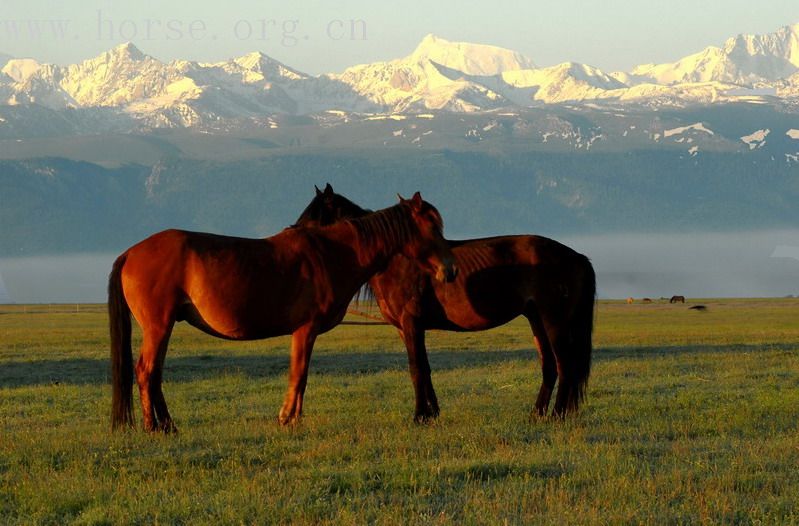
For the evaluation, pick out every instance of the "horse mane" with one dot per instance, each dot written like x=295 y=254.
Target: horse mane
x=391 y=225
x=309 y=214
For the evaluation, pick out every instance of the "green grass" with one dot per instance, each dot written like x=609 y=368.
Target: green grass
x=691 y=418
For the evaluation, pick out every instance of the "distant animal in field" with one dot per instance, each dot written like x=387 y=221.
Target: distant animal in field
x=630 y=301
x=297 y=282
x=677 y=299
x=698 y=308
x=647 y=300
x=499 y=278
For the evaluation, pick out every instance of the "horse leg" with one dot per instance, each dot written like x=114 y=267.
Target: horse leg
x=165 y=422
x=566 y=399
x=549 y=367
x=426 y=401
x=301 y=346
x=149 y=373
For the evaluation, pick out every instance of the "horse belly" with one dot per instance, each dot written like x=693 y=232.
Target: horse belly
x=245 y=309
x=476 y=313
x=244 y=316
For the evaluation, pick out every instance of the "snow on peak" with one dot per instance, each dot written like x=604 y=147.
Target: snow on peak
x=771 y=56
x=743 y=59
x=254 y=60
x=472 y=59
x=560 y=83
x=267 y=67
x=116 y=77
x=438 y=74
x=21 y=69
x=129 y=51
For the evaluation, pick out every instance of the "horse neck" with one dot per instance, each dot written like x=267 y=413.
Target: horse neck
x=381 y=235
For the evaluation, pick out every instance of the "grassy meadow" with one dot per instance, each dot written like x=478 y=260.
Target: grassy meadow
x=691 y=418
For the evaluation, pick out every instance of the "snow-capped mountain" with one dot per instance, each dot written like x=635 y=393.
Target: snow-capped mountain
x=117 y=77
x=471 y=59
x=562 y=83
x=29 y=82
x=180 y=93
x=745 y=60
x=125 y=87
x=439 y=74
x=200 y=93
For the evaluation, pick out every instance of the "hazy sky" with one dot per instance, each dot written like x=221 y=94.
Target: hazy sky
x=314 y=36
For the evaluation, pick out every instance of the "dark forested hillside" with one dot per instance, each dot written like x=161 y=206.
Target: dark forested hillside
x=55 y=205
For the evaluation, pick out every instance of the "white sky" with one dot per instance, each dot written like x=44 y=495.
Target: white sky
x=610 y=34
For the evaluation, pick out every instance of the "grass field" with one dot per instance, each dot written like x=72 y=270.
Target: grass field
x=691 y=418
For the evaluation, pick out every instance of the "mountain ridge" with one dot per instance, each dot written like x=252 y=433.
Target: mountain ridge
x=743 y=59
x=141 y=92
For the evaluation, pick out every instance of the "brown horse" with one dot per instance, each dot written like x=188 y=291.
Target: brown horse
x=499 y=279
x=297 y=282
x=677 y=299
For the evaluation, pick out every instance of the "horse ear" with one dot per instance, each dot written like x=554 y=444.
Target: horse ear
x=401 y=199
x=328 y=189
x=417 y=200
x=318 y=191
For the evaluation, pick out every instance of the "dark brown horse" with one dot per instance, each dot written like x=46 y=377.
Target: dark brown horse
x=677 y=299
x=298 y=282
x=499 y=279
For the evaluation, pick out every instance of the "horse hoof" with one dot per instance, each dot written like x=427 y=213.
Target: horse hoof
x=150 y=428
x=169 y=428
x=286 y=419
x=540 y=412
x=426 y=418
x=538 y=415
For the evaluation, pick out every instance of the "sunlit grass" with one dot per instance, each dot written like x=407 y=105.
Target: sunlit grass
x=691 y=417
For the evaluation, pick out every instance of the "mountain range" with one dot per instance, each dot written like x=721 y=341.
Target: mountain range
x=96 y=155
x=125 y=89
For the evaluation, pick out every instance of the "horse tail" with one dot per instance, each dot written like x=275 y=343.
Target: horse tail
x=121 y=354
x=581 y=330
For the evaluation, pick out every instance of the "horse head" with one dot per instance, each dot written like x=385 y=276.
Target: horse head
x=429 y=248
x=328 y=207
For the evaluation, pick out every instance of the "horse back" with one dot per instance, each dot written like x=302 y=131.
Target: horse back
x=498 y=278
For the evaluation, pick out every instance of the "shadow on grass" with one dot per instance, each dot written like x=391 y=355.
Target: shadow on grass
x=87 y=371
x=613 y=353
x=486 y=472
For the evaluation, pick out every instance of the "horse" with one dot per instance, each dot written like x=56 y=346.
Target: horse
x=630 y=301
x=297 y=282
x=499 y=278
x=646 y=300
x=677 y=299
